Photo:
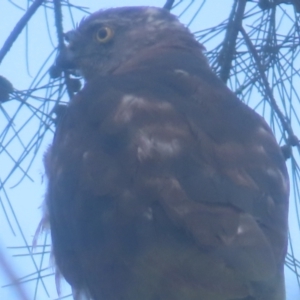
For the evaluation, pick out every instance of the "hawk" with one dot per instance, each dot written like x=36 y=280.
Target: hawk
x=162 y=185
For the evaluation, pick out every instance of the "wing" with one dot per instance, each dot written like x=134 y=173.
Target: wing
x=163 y=185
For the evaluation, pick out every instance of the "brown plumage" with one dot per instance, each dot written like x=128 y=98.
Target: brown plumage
x=162 y=184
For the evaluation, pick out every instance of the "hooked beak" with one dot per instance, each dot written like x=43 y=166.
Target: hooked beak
x=65 y=61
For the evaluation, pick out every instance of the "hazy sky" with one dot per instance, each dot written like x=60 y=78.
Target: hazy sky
x=27 y=196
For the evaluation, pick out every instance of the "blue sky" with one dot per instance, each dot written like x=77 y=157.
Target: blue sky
x=26 y=197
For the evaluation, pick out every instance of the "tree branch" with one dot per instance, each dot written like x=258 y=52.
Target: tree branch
x=226 y=55
x=12 y=276
x=61 y=44
x=292 y=138
x=19 y=27
x=58 y=24
x=169 y=4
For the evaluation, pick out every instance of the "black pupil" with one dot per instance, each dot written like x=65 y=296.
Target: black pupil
x=102 y=33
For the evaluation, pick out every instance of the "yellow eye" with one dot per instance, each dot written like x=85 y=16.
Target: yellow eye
x=104 y=34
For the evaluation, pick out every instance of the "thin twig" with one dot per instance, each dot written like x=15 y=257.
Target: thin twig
x=58 y=24
x=12 y=276
x=61 y=44
x=292 y=138
x=169 y=4
x=296 y=4
x=19 y=27
x=227 y=53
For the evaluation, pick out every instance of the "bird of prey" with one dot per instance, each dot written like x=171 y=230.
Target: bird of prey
x=162 y=184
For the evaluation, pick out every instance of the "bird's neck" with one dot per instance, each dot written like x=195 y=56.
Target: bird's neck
x=165 y=57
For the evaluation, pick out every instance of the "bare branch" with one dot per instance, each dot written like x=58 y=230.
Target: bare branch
x=267 y=4
x=19 y=27
x=58 y=24
x=61 y=44
x=169 y=4
x=296 y=4
x=292 y=138
x=6 y=267
x=227 y=53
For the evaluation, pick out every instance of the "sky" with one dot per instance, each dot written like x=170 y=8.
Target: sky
x=26 y=197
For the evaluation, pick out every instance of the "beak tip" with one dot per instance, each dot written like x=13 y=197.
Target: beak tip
x=65 y=59
x=63 y=62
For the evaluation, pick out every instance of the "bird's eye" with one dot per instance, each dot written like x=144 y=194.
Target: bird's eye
x=103 y=34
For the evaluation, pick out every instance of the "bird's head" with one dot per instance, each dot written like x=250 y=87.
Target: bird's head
x=107 y=40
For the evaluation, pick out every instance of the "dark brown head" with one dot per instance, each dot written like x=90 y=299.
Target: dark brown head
x=108 y=39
